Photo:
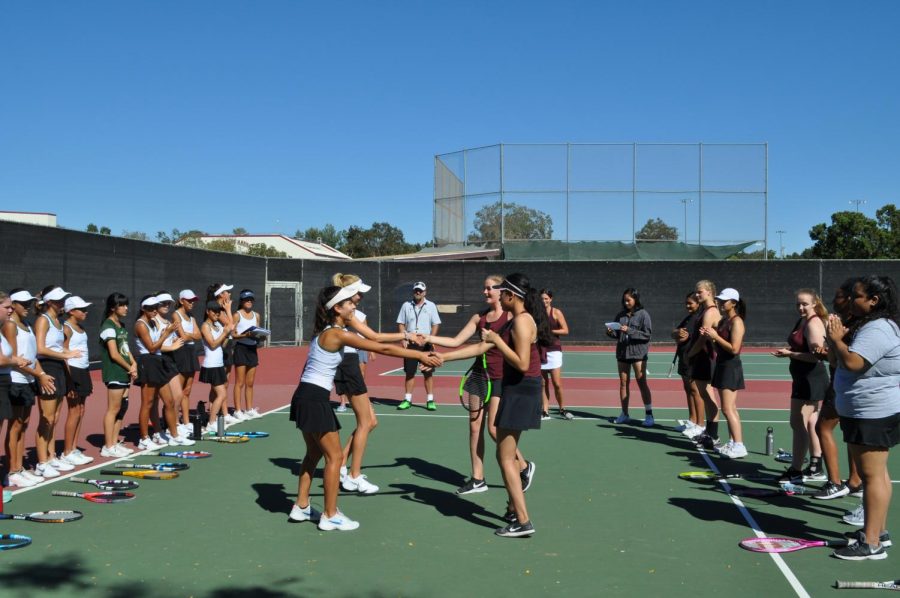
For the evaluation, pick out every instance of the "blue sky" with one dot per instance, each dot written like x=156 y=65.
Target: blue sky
x=281 y=115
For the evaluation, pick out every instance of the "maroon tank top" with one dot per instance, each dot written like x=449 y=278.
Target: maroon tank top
x=510 y=374
x=797 y=339
x=494 y=356
x=554 y=324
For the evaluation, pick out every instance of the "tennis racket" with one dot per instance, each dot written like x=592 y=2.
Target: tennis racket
x=711 y=475
x=227 y=439
x=784 y=489
x=108 y=484
x=247 y=434
x=144 y=475
x=475 y=386
x=46 y=516
x=891 y=584
x=786 y=544
x=13 y=541
x=98 y=497
x=672 y=367
x=153 y=466
x=187 y=454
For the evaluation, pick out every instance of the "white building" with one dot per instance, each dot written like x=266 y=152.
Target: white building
x=294 y=248
x=39 y=218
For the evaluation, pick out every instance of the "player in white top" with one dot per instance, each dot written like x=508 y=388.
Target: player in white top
x=213 y=372
x=10 y=358
x=80 y=375
x=246 y=359
x=173 y=343
x=186 y=358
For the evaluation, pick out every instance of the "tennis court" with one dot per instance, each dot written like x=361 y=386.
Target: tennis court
x=611 y=515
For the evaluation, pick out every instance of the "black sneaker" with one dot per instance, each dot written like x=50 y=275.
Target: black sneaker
x=510 y=516
x=794 y=476
x=831 y=490
x=518 y=530
x=859 y=536
x=855 y=491
x=698 y=438
x=709 y=442
x=527 y=475
x=472 y=486
x=566 y=415
x=814 y=475
x=859 y=551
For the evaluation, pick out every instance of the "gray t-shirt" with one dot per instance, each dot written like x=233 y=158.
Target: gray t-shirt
x=418 y=318
x=874 y=392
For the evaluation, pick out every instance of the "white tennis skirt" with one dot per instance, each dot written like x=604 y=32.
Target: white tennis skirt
x=554 y=360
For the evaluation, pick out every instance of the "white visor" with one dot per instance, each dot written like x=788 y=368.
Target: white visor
x=222 y=289
x=22 y=297
x=342 y=295
x=164 y=298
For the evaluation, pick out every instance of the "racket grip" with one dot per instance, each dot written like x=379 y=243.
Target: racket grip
x=852 y=585
x=64 y=493
x=80 y=480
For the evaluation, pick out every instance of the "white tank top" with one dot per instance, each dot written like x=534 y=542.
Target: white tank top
x=213 y=357
x=154 y=336
x=79 y=341
x=321 y=365
x=244 y=324
x=55 y=337
x=26 y=345
x=186 y=325
x=6 y=351
x=163 y=323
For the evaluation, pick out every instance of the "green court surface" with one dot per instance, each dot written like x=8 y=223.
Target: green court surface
x=612 y=518
x=602 y=364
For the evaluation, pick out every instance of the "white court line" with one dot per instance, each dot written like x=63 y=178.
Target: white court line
x=779 y=562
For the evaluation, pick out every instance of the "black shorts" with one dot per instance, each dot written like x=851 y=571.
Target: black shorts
x=245 y=355
x=701 y=367
x=883 y=432
x=117 y=385
x=5 y=405
x=154 y=370
x=311 y=409
x=348 y=379
x=57 y=369
x=728 y=374
x=520 y=405
x=411 y=366
x=809 y=381
x=82 y=385
x=214 y=376
x=228 y=353
x=186 y=360
x=22 y=394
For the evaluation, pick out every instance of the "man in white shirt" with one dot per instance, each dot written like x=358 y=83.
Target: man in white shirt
x=418 y=316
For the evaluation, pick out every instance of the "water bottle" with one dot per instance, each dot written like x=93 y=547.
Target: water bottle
x=770 y=441
x=198 y=427
x=220 y=425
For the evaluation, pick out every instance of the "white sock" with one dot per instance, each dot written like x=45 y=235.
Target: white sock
x=429 y=398
x=408 y=397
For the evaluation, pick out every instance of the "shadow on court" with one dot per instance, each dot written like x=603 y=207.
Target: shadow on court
x=426 y=469
x=636 y=431
x=449 y=504
x=273 y=498
x=63 y=572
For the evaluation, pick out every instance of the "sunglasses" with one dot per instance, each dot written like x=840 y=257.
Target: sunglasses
x=418 y=291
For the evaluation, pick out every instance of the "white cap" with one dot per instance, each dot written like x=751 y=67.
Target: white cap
x=150 y=301
x=55 y=294
x=187 y=294
x=729 y=294
x=76 y=302
x=360 y=287
x=419 y=286
x=164 y=298
x=222 y=289
x=22 y=297
x=342 y=295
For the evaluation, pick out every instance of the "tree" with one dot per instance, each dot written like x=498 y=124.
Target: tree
x=657 y=230
x=92 y=228
x=239 y=231
x=888 y=219
x=753 y=255
x=853 y=235
x=380 y=239
x=189 y=238
x=519 y=223
x=135 y=234
x=226 y=245
x=105 y=230
x=263 y=250
x=327 y=234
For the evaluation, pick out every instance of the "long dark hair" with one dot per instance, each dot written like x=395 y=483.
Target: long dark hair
x=885 y=290
x=535 y=307
x=633 y=292
x=211 y=291
x=324 y=316
x=113 y=302
x=846 y=290
x=740 y=308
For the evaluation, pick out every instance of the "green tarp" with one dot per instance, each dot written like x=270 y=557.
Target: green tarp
x=615 y=250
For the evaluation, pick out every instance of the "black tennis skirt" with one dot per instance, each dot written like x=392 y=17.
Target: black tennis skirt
x=728 y=374
x=81 y=381
x=57 y=369
x=348 y=379
x=22 y=394
x=809 y=381
x=154 y=370
x=245 y=355
x=214 y=376
x=5 y=405
x=883 y=432
x=311 y=409
x=520 y=405
x=186 y=360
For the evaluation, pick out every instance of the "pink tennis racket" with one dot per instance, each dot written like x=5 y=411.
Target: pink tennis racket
x=786 y=544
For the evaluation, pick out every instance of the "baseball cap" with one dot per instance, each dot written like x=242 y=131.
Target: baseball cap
x=188 y=295
x=729 y=294
x=75 y=302
x=419 y=286
x=247 y=295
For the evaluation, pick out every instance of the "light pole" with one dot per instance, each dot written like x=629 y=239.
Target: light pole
x=780 y=242
x=857 y=202
x=685 y=201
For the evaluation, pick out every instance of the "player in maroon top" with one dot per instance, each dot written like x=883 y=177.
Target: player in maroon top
x=551 y=367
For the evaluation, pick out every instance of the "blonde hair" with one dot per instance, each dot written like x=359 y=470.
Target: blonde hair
x=818 y=306
x=495 y=277
x=3 y=296
x=708 y=285
x=342 y=280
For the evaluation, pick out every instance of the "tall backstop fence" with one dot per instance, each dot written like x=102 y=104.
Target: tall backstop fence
x=589 y=292
x=712 y=193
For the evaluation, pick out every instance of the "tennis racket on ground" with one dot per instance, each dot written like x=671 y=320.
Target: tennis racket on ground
x=187 y=454
x=108 y=484
x=475 y=386
x=227 y=439
x=868 y=585
x=713 y=476
x=247 y=434
x=13 y=541
x=786 y=544
x=171 y=466
x=784 y=489
x=144 y=475
x=98 y=497
x=45 y=516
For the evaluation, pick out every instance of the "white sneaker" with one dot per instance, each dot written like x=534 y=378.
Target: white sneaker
x=146 y=444
x=160 y=438
x=254 y=413
x=694 y=430
x=185 y=429
x=342 y=408
x=243 y=416
x=649 y=421
x=230 y=420
x=109 y=451
x=45 y=470
x=855 y=517
x=623 y=418
x=338 y=521
x=121 y=448
x=60 y=465
x=84 y=459
x=307 y=514
x=30 y=475
x=20 y=481
x=343 y=473
x=181 y=441
x=734 y=451
x=360 y=484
